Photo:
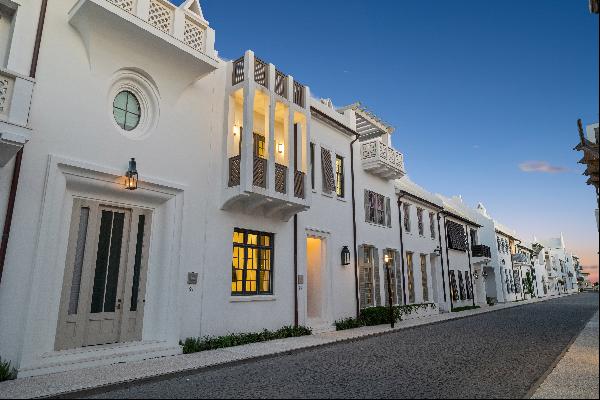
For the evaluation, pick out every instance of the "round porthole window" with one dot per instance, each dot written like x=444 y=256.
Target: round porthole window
x=126 y=110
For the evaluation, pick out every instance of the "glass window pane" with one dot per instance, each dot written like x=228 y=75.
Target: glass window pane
x=101 y=262
x=252 y=239
x=131 y=121
x=79 y=253
x=138 y=262
x=119 y=117
x=121 y=101
x=133 y=105
x=112 y=278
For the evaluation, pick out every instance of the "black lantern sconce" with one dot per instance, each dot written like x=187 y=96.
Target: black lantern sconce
x=131 y=176
x=438 y=251
x=476 y=274
x=345 y=256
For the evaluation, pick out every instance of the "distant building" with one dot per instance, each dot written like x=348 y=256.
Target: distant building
x=594 y=6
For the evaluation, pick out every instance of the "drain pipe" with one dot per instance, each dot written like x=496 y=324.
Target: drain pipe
x=355 y=251
x=14 y=184
x=296 y=270
x=402 y=247
x=441 y=255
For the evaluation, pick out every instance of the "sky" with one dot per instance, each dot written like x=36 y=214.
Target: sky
x=484 y=95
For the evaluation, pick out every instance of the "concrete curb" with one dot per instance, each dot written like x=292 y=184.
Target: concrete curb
x=98 y=379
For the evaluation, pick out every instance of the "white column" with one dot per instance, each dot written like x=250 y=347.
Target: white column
x=143 y=9
x=247 y=156
x=178 y=23
x=290 y=145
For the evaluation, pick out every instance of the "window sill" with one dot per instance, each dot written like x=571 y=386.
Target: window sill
x=343 y=199
x=246 y=299
x=327 y=195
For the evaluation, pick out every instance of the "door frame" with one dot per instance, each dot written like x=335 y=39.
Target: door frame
x=326 y=276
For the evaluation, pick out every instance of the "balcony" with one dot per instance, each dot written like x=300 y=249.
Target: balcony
x=382 y=160
x=480 y=250
x=183 y=34
x=15 y=100
x=267 y=140
x=520 y=259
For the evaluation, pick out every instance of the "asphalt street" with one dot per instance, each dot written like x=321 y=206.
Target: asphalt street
x=494 y=355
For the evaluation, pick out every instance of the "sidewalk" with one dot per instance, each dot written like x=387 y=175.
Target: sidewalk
x=576 y=374
x=89 y=378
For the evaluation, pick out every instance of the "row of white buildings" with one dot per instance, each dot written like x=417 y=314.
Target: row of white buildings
x=251 y=204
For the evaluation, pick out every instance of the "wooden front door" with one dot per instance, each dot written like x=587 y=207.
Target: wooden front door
x=105 y=275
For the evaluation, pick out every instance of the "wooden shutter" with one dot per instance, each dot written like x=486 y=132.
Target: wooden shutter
x=327 y=166
x=399 y=290
x=367 y=206
x=361 y=278
x=376 y=277
x=388 y=212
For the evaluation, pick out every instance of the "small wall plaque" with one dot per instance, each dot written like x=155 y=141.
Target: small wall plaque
x=192 y=278
x=300 y=279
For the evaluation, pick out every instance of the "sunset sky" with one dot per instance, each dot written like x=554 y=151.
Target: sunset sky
x=484 y=95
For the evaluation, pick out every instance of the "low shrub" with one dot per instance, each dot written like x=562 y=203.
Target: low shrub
x=7 y=372
x=459 y=309
x=347 y=323
x=380 y=315
x=194 y=345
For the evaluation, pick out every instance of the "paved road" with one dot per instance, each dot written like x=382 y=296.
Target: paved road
x=498 y=355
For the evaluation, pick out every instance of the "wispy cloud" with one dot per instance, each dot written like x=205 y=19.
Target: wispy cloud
x=541 y=166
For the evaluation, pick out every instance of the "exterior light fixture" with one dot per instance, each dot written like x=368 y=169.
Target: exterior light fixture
x=280 y=148
x=386 y=258
x=345 y=255
x=131 y=176
x=438 y=251
x=476 y=275
x=484 y=274
x=236 y=130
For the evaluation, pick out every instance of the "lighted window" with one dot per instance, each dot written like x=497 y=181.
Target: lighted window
x=411 y=277
x=252 y=263
x=339 y=175
x=126 y=110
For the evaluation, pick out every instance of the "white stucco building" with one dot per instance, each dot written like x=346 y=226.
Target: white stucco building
x=252 y=205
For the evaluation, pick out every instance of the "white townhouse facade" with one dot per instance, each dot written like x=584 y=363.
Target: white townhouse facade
x=152 y=191
x=560 y=266
x=465 y=257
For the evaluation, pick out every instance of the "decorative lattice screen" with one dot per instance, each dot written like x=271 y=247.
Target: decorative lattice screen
x=457 y=238
x=5 y=93
x=193 y=35
x=161 y=16
x=328 y=178
x=126 y=5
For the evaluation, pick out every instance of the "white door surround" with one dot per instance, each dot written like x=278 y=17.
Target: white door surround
x=66 y=180
x=319 y=284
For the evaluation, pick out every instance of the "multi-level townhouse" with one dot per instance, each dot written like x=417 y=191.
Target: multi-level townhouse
x=465 y=261
x=523 y=261
x=560 y=266
x=421 y=243
x=539 y=267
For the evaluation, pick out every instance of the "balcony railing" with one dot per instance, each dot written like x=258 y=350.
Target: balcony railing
x=299 y=178
x=280 y=178
x=234 y=171
x=480 y=250
x=259 y=176
x=520 y=258
x=6 y=87
x=382 y=160
x=280 y=83
x=261 y=72
x=299 y=94
x=261 y=76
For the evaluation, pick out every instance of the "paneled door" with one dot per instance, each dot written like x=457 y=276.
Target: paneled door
x=105 y=275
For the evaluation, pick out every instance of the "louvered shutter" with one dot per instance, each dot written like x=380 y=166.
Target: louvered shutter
x=367 y=206
x=376 y=277
x=399 y=290
x=328 y=176
x=362 y=287
x=388 y=212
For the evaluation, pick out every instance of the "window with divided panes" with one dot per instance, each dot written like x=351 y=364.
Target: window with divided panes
x=252 y=263
x=420 y=221
x=432 y=224
x=377 y=209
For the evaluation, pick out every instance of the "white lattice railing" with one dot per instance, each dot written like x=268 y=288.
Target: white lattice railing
x=6 y=88
x=127 y=5
x=161 y=15
x=194 y=34
x=376 y=150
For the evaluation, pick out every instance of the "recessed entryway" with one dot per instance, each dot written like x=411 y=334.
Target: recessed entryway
x=104 y=286
x=317 y=284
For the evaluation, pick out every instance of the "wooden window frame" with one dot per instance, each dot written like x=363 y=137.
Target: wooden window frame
x=244 y=247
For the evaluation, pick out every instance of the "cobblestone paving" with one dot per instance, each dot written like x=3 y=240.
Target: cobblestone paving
x=493 y=355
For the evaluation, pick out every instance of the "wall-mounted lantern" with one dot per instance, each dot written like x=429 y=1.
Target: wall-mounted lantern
x=476 y=274
x=386 y=259
x=280 y=148
x=131 y=176
x=236 y=130
x=438 y=251
x=484 y=274
x=345 y=256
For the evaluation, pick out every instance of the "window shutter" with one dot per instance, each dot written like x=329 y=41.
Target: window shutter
x=361 y=278
x=377 y=283
x=399 y=290
x=388 y=212
x=328 y=176
x=367 y=206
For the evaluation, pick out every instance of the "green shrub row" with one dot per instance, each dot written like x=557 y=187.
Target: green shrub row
x=380 y=315
x=459 y=309
x=194 y=345
x=7 y=372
